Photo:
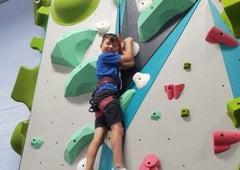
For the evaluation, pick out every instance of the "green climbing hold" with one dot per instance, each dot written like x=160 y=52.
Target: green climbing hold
x=37 y=143
x=70 y=12
x=82 y=79
x=70 y=48
x=117 y=2
x=230 y=16
x=37 y=43
x=41 y=18
x=41 y=12
x=156 y=115
x=187 y=66
x=25 y=84
x=18 y=137
x=126 y=97
x=233 y=111
x=77 y=142
x=156 y=15
x=185 y=112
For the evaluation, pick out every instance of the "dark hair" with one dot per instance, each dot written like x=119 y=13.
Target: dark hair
x=112 y=37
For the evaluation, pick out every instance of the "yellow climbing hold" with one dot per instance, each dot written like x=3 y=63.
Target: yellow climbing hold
x=70 y=12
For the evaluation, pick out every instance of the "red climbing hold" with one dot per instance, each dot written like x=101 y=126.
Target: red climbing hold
x=150 y=162
x=216 y=35
x=222 y=140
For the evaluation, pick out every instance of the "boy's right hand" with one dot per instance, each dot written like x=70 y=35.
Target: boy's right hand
x=129 y=39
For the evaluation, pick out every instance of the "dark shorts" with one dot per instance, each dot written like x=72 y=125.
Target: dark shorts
x=112 y=113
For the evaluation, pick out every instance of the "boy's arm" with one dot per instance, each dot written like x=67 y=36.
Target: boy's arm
x=127 y=65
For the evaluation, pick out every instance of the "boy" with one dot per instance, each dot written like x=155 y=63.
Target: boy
x=105 y=102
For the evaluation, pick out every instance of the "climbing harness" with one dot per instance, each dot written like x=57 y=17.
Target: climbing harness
x=106 y=79
x=103 y=103
x=99 y=107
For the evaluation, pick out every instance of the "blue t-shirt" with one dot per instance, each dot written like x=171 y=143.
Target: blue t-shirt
x=108 y=65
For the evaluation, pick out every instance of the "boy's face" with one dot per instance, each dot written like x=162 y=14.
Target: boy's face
x=109 y=46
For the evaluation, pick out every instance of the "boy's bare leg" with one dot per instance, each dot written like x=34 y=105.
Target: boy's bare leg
x=116 y=142
x=97 y=141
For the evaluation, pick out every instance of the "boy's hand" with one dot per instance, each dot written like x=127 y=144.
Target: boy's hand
x=126 y=41
x=129 y=40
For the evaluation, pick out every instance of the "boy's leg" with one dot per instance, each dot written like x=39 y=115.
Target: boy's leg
x=97 y=141
x=116 y=142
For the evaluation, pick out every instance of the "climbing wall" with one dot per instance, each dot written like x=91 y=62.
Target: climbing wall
x=178 y=142
x=186 y=143
x=54 y=117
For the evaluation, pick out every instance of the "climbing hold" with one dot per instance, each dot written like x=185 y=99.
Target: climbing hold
x=70 y=12
x=37 y=143
x=142 y=4
x=154 y=17
x=186 y=66
x=78 y=141
x=141 y=79
x=78 y=83
x=216 y=35
x=18 y=137
x=177 y=90
x=37 y=43
x=230 y=16
x=117 y=2
x=222 y=140
x=39 y=3
x=42 y=17
x=25 y=84
x=185 y=112
x=169 y=90
x=135 y=48
x=70 y=48
x=82 y=164
x=173 y=90
x=125 y=98
x=150 y=162
x=233 y=111
x=156 y=115
x=102 y=26
x=41 y=12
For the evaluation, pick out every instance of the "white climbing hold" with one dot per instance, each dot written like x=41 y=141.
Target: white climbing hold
x=135 y=48
x=103 y=26
x=82 y=164
x=141 y=79
x=143 y=4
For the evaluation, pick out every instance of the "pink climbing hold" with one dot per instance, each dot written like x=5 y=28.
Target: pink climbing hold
x=222 y=140
x=177 y=90
x=173 y=90
x=169 y=90
x=150 y=162
x=216 y=35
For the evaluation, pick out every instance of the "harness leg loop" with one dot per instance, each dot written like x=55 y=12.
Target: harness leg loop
x=102 y=104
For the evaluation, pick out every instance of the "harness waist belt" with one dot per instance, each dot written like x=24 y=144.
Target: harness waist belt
x=106 y=79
